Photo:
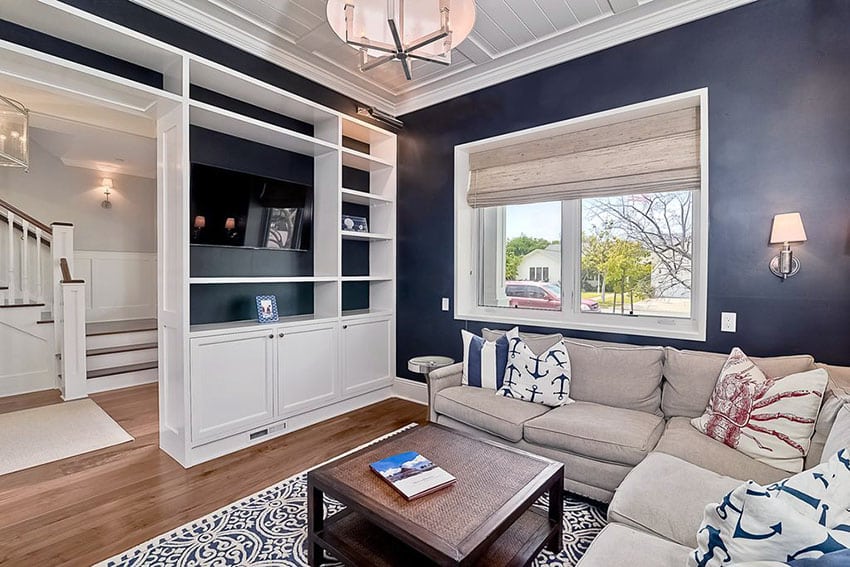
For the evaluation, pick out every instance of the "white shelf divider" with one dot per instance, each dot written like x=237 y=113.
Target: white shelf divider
x=261 y=279
x=363 y=162
x=351 y=235
x=227 y=122
x=363 y=198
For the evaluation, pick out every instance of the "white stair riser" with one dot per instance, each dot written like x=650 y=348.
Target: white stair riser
x=120 y=339
x=120 y=359
x=125 y=380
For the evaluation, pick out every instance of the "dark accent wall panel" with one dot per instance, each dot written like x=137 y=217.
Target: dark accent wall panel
x=778 y=74
x=221 y=303
x=355 y=295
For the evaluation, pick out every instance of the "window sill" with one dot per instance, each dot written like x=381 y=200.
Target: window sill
x=658 y=327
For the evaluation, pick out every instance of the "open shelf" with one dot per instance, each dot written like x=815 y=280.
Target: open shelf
x=262 y=279
x=365 y=313
x=363 y=162
x=350 y=235
x=363 y=198
x=363 y=132
x=366 y=278
x=220 y=79
x=227 y=122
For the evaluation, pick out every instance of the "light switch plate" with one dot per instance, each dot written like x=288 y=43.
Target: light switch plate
x=445 y=304
x=728 y=322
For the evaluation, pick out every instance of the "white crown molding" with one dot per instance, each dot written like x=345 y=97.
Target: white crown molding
x=548 y=52
x=183 y=13
x=448 y=87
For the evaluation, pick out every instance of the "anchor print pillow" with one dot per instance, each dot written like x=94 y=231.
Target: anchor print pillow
x=805 y=516
x=542 y=379
x=769 y=419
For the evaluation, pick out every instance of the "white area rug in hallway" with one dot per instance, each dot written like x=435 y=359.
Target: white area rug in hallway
x=32 y=437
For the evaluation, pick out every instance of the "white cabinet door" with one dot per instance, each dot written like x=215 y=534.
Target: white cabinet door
x=365 y=356
x=307 y=365
x=232 y=384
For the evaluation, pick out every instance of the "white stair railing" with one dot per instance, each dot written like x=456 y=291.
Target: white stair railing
x=24 y=266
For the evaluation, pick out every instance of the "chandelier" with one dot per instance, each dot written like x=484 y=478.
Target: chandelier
x=395 y=30
x=13 y=133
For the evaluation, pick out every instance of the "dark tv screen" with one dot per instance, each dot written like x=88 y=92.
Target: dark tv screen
x=231 y=208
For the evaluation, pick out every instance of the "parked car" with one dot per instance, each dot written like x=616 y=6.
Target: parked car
x=541 y=295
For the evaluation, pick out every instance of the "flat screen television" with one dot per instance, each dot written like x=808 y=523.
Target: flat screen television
x=231 y=208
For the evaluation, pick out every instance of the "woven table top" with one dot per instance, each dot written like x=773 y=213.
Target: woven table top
x=488 y=477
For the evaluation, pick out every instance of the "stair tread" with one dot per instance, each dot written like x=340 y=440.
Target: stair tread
x=11 y=305
x=121 y=369
x=117 y=349
x=118 y=327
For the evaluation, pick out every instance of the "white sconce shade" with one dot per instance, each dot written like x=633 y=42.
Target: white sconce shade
x=14 y=135
x=787 y=227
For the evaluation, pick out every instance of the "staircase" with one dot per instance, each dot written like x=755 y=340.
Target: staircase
x=120 y=354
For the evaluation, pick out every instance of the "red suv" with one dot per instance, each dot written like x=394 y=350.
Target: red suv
x=540 y=295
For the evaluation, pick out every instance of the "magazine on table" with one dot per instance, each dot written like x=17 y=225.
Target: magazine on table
x=412 y=474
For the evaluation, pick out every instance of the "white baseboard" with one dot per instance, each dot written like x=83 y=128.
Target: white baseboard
x=410 y=390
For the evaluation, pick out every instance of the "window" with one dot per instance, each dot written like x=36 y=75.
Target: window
x=596 y=223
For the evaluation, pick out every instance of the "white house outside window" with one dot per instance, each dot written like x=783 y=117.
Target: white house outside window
x=612 y=242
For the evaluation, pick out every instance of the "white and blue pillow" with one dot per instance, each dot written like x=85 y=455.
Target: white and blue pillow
x=541 y=378
x=805 y=516
x=484 y=362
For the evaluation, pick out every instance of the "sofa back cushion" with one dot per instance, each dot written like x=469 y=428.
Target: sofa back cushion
x=690 y=376
x=622 y=376
x=836 y=396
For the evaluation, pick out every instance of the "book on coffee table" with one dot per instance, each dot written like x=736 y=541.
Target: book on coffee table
x=412 y=474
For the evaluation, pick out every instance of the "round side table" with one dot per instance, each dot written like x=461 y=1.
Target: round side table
x=425 y=364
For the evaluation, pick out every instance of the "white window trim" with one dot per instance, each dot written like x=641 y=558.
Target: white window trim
x=570 y=317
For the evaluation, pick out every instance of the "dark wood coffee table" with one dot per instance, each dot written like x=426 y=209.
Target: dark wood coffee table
x=486 y=518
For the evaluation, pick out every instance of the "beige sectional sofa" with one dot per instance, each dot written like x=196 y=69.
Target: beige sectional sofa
x=627 y=439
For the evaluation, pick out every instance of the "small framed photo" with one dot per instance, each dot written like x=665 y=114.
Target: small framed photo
x=267 y=309
x=354 y=224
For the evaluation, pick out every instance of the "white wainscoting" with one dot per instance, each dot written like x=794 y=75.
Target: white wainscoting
x=27 y=347
x=119 y=285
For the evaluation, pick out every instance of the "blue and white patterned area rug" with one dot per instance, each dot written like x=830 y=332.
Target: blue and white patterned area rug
x=269 y=529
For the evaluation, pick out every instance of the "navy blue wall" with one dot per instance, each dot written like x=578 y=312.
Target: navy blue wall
x=778 y=73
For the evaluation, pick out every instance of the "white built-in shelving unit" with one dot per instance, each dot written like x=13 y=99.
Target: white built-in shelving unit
x=225 y=386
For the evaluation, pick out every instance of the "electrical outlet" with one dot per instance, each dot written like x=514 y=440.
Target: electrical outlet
x=445 y=304
x=728 y=322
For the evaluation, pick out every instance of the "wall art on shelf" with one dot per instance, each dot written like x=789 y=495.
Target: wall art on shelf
x=267 y=309
x=354 y=224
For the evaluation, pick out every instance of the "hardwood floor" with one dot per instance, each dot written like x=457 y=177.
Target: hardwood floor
x=85 y=509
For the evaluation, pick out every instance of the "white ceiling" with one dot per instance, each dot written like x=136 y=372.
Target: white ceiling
x=510 y=38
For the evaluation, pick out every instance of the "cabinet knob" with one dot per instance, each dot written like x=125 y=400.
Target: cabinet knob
x=271 y=336
x=281 y=335
x=345 y=326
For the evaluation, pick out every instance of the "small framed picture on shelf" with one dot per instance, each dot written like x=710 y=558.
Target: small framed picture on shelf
x=354 y=224
x=267 y=309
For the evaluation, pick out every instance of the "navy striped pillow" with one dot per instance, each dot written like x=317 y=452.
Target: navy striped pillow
x=484 y=362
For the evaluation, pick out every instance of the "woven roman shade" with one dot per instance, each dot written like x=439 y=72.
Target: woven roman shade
x=649 y=154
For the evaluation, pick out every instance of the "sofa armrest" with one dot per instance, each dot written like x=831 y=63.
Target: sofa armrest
x=439 y=379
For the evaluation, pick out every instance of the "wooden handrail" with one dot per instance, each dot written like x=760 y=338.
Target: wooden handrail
x=66 y=272
x=18 y=212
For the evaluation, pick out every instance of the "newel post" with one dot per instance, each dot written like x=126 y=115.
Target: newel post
x=73 y=329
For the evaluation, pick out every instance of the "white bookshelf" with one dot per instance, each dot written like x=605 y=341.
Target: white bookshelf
x=225 y=386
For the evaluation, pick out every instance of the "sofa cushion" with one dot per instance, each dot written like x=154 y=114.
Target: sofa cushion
x=680 y=439
x=839 y=436
x=621 y=376
x=837 y=394
x=484 y=361
x=540 y=378
x=483 y=409
x=805 y=515
x=690 y=376
x=666 y=496
x=769 y=419
x=619 y=545
x=537 y=343
x=601 y=432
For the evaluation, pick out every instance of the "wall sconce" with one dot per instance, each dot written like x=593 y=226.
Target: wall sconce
x=106 y=183
x=787 y=228
x=199 y=224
